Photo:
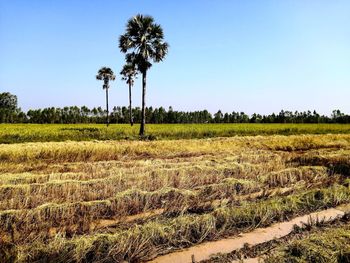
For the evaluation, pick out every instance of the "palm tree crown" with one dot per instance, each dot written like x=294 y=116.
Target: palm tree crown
x=128 y=73
x=105 y=74
x=143 y=42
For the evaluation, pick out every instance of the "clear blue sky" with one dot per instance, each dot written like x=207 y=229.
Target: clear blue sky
x=241 y=55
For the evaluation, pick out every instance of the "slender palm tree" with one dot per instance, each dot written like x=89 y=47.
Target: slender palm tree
x=129 y=74
x=106 y=74
x=143 y=43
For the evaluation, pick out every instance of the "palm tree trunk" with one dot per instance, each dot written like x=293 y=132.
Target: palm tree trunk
x=107 y=119
x=143 y=112
x=130 y=108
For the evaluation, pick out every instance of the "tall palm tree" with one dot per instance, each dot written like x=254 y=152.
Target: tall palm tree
x=143 y=43
x=129 y=74
x=106 y=74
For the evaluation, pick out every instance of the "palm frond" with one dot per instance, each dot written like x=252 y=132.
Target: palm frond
x=105 y=74
x=143 y=42
x=129 y=73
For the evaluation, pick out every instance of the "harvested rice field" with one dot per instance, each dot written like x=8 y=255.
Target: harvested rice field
x=270 y=198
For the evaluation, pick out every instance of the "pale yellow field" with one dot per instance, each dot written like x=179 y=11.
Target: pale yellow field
x=107 y=201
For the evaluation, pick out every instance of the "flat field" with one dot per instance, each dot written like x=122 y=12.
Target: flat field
x=134 y=201
x=17 y=133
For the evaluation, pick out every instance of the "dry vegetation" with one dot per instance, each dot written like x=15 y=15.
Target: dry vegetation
x=128 y=200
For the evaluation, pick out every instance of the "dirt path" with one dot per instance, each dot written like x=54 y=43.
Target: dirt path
x=258 y=236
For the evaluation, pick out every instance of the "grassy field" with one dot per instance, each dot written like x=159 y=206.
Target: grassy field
x=128 y=200
x=17 y=133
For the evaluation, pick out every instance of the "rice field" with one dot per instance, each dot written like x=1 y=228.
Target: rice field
x=18 y=133
x=138 y=201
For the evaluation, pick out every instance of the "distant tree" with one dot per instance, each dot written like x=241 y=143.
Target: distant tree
x=338 y=116
x=226 y=118
x=35 y=116
x=143 y=42
x=218 y=116
x=129 y=74
x=171 y=115
x=106 y=74
x=8 y=107
x=243 y=118
x=85 y=112
x=255 y=118
x=100 y=112
x=8 y=101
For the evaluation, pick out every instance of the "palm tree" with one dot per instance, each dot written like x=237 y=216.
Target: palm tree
x=143 y=42
x=106 y=74
x=129 y=74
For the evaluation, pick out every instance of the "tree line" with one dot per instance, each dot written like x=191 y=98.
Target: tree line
x=10 y=113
